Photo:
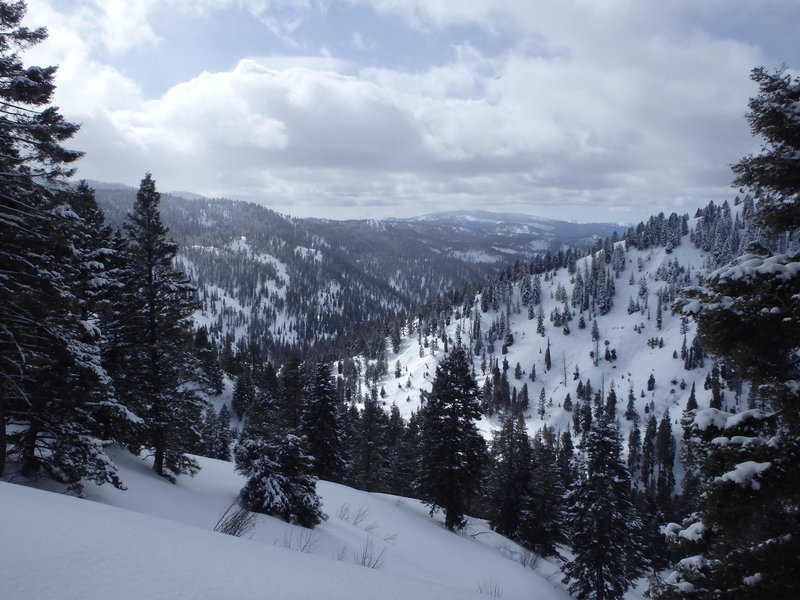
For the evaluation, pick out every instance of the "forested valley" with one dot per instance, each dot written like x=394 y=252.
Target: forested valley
x=620 y=402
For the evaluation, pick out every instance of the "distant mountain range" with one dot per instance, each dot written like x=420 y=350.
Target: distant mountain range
x=287 y=282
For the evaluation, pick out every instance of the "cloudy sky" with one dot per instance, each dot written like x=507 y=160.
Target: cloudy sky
x=578 y=109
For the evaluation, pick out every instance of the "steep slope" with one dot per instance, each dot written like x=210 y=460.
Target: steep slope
x=635 y=339
x=154 y=540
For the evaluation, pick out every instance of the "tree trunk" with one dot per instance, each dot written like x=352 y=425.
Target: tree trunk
x=158 y=462
x=28 y=457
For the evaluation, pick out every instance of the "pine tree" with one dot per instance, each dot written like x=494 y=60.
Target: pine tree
x=605 y=528
x=244 y=394
x=749 y=548
x=541 y=522
x=509 y=475
x=453 y=451
x=541 y=405
x=649 y=453
x=611 y=403
x=54 y=391
x=278 y=471
x=547 y=362
x=158 y=377
x=635 y=453
x=630 y=408
x=223 y=435
x=322 y=425
x=665 y=459
x=370 y=468
x=291 y=384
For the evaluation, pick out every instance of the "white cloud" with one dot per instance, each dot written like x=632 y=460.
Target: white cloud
x=595 y=106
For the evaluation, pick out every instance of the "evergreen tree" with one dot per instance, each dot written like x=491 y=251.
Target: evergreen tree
x=509 y=475
x=541 y=526
x=542 y=404
x=223 y=435
x=547 y=362
x=748 y=532
x=605 y=528
x=453 y=451
x=611 y=403
x=209 y=363
x=649 y=453
x=322 y=425
x=54 y=391
x=244 y=394
x=630 y=408
x=405 y=465
x=665 y=458
x=691 y=403
x=278 y=471
x=291 y=385
x=370 y=452
x=635 y=453
x=158 y=377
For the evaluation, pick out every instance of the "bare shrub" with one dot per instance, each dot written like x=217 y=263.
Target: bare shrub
x=369 y=556
x=523 y=556
x=390 y=538
x=342 y=553
x=345 y=513
x=490 y=588
x=528 y=559
x=360 y=515
x=235 y=520
x=304 y=541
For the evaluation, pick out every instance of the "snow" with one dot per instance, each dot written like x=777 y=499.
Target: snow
x=755 y=414
x=155 y=540
x=693 y=532
x=308 y=253
x=753 y=579
x=636 y=359
x=746 y=473
x=68 y=548
x=711 y=417
x=751 y=265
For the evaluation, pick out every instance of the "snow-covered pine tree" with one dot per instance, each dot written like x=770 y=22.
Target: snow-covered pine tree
x=453 y=451
x=159 y=377
x=278 y=471
x=369 y=467
x=509 y=474
x=322 y=425
x=244 y=393
x=746 y=531
x=605 y=530
x=52 y=382
x=291 y=392
x=542 y=519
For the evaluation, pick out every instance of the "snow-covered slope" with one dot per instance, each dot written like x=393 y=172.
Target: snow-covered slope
x=163 y=546
x=640 y=346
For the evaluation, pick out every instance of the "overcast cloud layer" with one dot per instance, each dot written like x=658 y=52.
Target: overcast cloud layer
x=577 y=109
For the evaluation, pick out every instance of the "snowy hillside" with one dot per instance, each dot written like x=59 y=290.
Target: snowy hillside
x=155 y=540
x=291 y=283
x=637 y=339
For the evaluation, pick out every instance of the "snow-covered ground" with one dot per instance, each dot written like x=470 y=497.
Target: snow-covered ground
x=628 y=334
x=155 y=540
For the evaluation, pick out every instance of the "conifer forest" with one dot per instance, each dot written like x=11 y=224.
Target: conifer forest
x=619 y=406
